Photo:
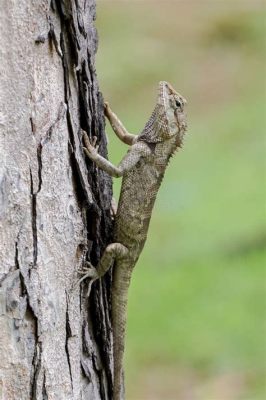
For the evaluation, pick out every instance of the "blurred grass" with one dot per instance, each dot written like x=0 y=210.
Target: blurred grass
x=196 y=324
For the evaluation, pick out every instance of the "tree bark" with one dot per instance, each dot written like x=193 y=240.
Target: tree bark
x=54 y=205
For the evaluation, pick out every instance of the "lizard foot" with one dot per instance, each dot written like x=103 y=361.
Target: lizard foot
x=106 y=109
x=91 y=149
x=88 y=272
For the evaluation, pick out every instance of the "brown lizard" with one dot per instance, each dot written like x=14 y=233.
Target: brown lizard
x=142 y=170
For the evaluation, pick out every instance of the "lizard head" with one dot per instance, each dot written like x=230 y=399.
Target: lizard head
x=168 y=118
x=171 y=110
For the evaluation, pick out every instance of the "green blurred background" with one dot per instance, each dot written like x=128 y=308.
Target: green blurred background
x=196 y=317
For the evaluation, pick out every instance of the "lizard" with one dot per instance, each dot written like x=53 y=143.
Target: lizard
x=142 y=170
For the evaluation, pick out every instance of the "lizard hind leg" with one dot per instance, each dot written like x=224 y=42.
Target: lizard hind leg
x=112 y=252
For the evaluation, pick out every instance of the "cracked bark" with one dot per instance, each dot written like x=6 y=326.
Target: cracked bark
x=54 y=205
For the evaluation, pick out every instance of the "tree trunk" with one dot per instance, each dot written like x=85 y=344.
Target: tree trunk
x=54 y=205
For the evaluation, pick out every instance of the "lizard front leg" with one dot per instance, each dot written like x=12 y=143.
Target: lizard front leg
x=136 y=152
x=118 y=127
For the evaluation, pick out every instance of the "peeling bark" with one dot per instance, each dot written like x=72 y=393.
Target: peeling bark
x=54 y=205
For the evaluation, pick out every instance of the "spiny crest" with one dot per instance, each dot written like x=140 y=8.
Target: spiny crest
x=163 y=94
x=157 y=123
x=157 y=126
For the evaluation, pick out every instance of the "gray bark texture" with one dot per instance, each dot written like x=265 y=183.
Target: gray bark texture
x=55 y=343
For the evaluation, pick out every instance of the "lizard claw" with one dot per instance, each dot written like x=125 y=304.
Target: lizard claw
x=94 y=140
x=88 y=272
x=106 y=108
x=90 y=146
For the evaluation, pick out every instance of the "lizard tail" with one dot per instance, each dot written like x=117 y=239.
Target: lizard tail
x=121 y=281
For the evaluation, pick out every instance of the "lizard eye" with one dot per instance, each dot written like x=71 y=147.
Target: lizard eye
x=178 y=104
